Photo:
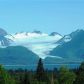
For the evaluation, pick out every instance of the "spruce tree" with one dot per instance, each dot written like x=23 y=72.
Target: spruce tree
x=40 y=72
x=80 y=75
x=26 y=79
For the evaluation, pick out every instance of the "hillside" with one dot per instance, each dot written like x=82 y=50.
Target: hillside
x=17 y=55
x=72 y=50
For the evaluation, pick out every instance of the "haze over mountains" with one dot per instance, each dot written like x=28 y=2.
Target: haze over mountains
x=52 y=48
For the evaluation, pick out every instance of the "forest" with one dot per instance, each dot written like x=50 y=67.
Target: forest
x=63 y=75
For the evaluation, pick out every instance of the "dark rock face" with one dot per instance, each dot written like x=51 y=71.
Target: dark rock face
x=38 y=32
x=2 y=32
x=3 y=40
x=54 y=33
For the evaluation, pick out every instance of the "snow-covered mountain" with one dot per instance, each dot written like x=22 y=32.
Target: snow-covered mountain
x=69 y=37
x=44 y=45
x=40 y=43
x=65 y=39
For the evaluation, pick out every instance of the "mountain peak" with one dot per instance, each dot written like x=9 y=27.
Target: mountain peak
x=54 y=34
x=38 y=32
x=77 y=32
x=2 y=32
x=3 y=40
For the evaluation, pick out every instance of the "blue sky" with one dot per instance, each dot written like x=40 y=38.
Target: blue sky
x=62 y=16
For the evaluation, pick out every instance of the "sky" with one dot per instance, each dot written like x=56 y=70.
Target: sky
x=62 y=16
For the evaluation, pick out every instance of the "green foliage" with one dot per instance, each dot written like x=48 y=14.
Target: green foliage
x=26 y=79
x=61 y=76
x=80 y=75
x=5 y=77
x=56 y=81
x=82 y=66
x=66 y=76
x=80 y=78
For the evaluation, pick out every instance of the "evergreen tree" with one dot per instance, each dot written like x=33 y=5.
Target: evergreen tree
x=81 y=68
x=80 y=75
x=26 y=78
x=40 y=72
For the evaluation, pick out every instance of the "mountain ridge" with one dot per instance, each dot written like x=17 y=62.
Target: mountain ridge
x=72 y=50
x=43 y=44
x=17 y=55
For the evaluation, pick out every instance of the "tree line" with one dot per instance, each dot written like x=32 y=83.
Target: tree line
x=42 y=76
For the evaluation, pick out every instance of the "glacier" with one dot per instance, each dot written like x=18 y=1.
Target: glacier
x=40 y=44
